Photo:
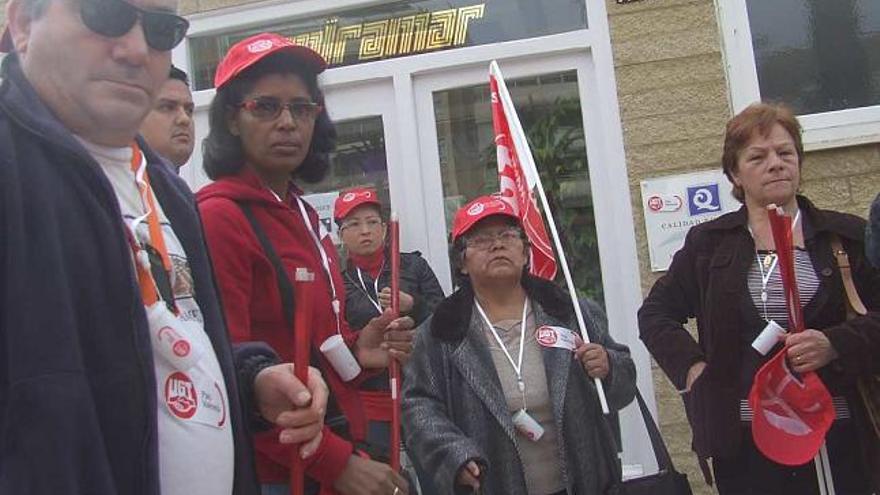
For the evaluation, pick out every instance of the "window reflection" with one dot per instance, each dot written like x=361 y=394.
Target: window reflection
x=817 y=55
x=550 y=110
x=401 y=28
x=359 y=160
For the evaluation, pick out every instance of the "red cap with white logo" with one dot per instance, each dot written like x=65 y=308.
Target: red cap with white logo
x=249 y=51
x=791 y=413
x=478 y=209
x=351 y=199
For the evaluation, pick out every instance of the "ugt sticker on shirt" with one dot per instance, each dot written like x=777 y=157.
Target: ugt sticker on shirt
x=558 y=337
x=195 y=397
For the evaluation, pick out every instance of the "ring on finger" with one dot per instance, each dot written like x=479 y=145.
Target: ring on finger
x=396 y=490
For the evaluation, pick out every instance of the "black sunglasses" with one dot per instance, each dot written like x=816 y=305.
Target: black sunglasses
x=113 y=18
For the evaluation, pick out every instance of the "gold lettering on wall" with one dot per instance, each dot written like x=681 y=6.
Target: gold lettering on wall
x=374 y=36
x=465 y=16
x=441 y=31
x=386 y=38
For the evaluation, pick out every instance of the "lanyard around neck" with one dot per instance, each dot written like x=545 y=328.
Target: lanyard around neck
x=516 y=365
x=765 y=277
x=325 y=261
x=149 y=291
x=375 y=302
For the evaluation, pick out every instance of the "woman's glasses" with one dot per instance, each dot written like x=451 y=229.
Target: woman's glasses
x=485 y=241
x=113 y=18
x=269 y=108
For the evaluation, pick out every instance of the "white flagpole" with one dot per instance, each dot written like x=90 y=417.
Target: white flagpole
x=823 y=471
x=525 y=155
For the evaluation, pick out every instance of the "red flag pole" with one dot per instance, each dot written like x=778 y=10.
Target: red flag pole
x=783 y=237
x=394 y=365
x=302 y=339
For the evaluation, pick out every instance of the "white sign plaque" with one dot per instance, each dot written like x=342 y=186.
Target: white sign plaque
x=675 y=203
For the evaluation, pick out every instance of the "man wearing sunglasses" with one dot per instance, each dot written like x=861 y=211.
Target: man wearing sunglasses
x=116 y=373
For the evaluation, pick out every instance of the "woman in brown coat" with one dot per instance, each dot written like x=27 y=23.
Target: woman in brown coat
x=725 y=277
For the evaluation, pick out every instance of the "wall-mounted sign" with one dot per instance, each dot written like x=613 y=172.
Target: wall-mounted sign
x=674 y=204
x=402 y=28
x=323 y=205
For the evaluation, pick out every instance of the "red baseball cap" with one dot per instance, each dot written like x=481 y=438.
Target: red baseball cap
x=351 y=199
x=484 y=206
x=791 y=413
x=6 y=45
x=249 y=51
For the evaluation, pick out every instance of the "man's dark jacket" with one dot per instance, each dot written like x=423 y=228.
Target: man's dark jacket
x=78 y=407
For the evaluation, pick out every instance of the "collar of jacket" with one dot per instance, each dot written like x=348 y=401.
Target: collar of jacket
x=452 y=317
x=817 y=221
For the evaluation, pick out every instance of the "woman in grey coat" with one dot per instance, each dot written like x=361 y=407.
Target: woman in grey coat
x=499 y=393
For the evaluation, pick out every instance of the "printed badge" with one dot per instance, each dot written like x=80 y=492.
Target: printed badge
x=180 y=395
x=557 y=337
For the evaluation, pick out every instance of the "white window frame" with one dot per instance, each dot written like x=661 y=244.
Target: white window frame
x=824 y=130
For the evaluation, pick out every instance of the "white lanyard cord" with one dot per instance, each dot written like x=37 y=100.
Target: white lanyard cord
x=325 y=260
x=375 y=288
x=517 y=366
x=765 y=278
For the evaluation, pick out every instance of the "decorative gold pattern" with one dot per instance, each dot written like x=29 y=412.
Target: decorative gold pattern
x=396 y=36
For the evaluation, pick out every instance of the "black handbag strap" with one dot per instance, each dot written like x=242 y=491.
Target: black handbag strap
x=285 y=287
x=664 y=462
x=334 y=417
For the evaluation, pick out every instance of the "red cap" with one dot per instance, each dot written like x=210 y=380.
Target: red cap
x=791 y=413
x=251 y=50
x=478 y=209
x=351 y=199
x=6 y=45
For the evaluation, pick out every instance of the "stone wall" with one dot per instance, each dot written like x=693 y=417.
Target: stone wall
x=674 y=104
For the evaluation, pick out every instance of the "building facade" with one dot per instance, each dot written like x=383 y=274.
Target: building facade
x=611 y=94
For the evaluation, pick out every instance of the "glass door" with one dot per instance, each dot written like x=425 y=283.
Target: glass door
x=549 y=107
x=364 y=124
x=579 y=159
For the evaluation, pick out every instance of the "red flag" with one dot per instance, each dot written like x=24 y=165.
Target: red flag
x=514 y=165
x=781 y=226
x=791 y=412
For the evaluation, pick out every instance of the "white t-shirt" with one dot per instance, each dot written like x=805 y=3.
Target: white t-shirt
x=195 y=437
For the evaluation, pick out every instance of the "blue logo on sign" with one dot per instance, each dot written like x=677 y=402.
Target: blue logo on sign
x=703 y=199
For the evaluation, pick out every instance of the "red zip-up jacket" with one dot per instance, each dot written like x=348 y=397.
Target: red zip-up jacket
x=253 y=309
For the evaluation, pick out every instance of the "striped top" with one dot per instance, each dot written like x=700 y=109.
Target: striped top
x=766 y=266
x=774 y=307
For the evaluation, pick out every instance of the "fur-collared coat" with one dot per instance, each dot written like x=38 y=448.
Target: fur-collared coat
x=454 y=410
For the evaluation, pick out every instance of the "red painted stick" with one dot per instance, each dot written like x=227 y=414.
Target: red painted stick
x=394 y=365
x=302 y=340
x=781 y=227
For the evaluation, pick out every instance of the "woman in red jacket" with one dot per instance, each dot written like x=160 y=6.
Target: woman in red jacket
x=267 y=127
